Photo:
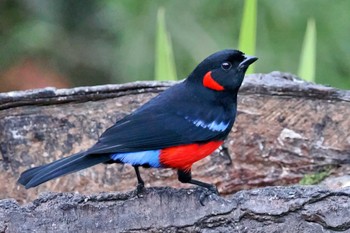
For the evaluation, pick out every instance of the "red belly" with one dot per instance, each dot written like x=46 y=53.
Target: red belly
x=182 y=157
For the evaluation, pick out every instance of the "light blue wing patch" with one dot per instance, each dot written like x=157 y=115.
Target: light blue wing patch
x=213 y=126
x=150 y=157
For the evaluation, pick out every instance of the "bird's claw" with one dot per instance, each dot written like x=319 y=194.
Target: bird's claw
x=139 y=189
x=208 y=191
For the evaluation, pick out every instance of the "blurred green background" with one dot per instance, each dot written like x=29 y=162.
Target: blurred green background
x=66 y=43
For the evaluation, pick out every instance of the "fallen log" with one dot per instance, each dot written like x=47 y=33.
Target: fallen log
x=285 y=128
x=305 y=209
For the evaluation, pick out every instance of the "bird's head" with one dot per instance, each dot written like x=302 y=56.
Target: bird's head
x=223 y=70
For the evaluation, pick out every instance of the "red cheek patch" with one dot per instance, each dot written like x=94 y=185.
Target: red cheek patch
x=209 y=82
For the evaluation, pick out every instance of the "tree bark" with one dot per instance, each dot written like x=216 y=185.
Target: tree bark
x=285 y=128
x=307 y=209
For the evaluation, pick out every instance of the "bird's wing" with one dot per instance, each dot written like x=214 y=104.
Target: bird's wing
x=157 y=130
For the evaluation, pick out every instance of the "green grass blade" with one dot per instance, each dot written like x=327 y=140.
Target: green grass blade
x=247 y=35
x=307 y=66
x=164 y=58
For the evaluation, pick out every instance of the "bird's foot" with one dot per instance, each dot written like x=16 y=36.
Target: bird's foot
x=140 y=188
x=207 y=192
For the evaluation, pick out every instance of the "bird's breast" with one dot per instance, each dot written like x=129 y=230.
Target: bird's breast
x=182 y=157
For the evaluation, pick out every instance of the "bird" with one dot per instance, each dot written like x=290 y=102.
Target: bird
x=175 y=129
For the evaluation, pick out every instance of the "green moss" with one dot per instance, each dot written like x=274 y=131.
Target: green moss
x=314 y=178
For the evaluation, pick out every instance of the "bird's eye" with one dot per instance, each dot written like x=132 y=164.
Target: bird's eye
x=226 y=65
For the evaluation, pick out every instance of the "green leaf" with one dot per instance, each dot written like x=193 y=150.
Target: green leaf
x=307 y=66
x=247 y=35
x=164 y=60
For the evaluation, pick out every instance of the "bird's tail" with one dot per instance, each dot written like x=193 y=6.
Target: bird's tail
x=38 y=175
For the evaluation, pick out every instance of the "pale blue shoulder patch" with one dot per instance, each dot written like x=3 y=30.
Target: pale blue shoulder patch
x=150 y=157
x=213 y=126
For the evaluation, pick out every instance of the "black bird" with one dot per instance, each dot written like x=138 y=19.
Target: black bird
x=180 y=126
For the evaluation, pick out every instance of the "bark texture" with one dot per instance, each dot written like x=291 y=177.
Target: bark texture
x=284 y=129
x=275 y=209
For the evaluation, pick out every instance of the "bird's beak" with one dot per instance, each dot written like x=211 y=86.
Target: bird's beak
x=248 y=60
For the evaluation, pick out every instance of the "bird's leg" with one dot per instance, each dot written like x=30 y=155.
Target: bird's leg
x=140 y=182
x=186 y=177
x=224 y=152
